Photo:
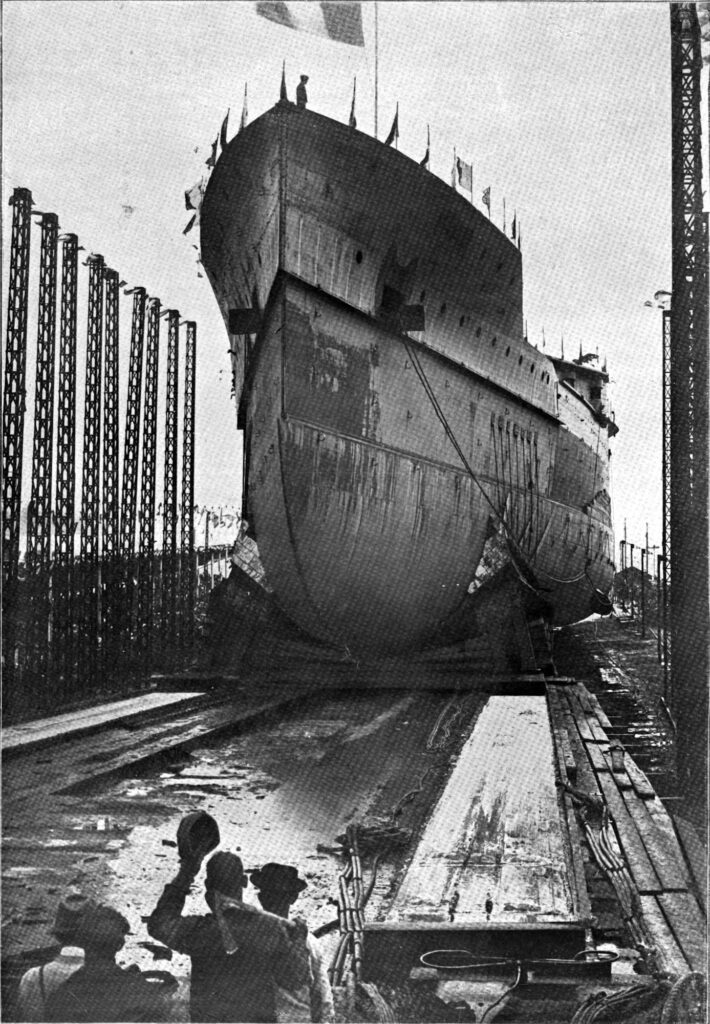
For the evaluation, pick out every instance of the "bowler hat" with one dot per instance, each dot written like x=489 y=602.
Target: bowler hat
x=225 y=872
x=197 y=835
x=277 y=878
x=101 y=926
x=69 y=912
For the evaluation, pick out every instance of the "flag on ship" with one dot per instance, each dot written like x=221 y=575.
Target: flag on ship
x=212 y=158
x=486 y=199
x=394 y=130
x=352 y=121
x=193 y=196
x=514 y=227
x=339 y=21
x=464 y=174
x=283 y=94
x=223 y=131
x=425 y=161
x=243 y=122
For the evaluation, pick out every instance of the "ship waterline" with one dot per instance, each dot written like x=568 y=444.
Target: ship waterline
x=392 y=479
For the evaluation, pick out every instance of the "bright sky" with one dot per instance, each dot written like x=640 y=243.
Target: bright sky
x=564 y=108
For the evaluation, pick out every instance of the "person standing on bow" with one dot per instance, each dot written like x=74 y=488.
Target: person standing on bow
x=278 y=888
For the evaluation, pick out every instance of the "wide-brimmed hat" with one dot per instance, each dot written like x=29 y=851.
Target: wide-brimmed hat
x=69 y=912
x=277 y=878
x=101 y=926
x=225 y=872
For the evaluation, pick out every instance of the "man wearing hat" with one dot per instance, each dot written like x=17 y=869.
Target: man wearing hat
x=239 y=954
x=301 y=94
x=101 y=991
x=278 y=888
x=38 y=984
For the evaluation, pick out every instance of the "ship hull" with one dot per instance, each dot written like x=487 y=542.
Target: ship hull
x=394 y=482
x=372 y=531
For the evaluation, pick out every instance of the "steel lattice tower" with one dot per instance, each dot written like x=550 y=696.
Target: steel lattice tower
x=147 y=509
x=66 y=407
x=91 y=466
x=689 y=410
x=170 y=479
x=39 y=519
x=110 y=495
x=131 y=440
x=66 y=466
x=187 y=533
x=13 y=414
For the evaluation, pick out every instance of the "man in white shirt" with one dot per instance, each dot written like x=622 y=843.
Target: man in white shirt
x=38 y=984
x=278 y=888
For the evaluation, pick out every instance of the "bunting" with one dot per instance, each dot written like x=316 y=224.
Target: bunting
x=464 y=174
x=223 y=131
x=394 y=130
x=212 y=158
x=425 y=161
x=352 y=121
x=243 y=121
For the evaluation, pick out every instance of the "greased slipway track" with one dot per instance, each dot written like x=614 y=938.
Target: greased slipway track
x=392 y=479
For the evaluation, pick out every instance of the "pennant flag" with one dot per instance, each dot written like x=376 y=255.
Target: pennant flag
x=486 y=199
x=514 y=227
x=353 y=120
x=212 y=158
x=193 y=196
x=425 y=161
x=464 y=173
x=223 y=131
x=283 y=95
x=243 y=122
x=394 y=130
x=337 y=20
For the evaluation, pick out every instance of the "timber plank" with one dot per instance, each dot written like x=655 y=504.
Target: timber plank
x=669 y=952
x=633 y=848
x=663 y=854
x=688 y=925
x=599 y=711
x=579 y=717
x=640 y=780
x=590 y=714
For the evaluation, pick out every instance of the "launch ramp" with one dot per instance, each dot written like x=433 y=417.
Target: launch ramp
x=492 y=870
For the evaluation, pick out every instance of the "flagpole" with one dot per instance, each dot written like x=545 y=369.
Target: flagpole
x=377 y=59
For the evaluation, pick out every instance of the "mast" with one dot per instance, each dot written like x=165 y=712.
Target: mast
x=377 y=58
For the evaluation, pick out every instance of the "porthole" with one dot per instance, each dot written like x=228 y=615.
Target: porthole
x=493 y=341
x=422 y=295
x=507 y=351
x=483 y=254
x=443 y=308
x=499 y=266
x=520 y=361
x=532 y=367
x=461 y=320
x=512 y=280
x=358 y=256
x=478 y=331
